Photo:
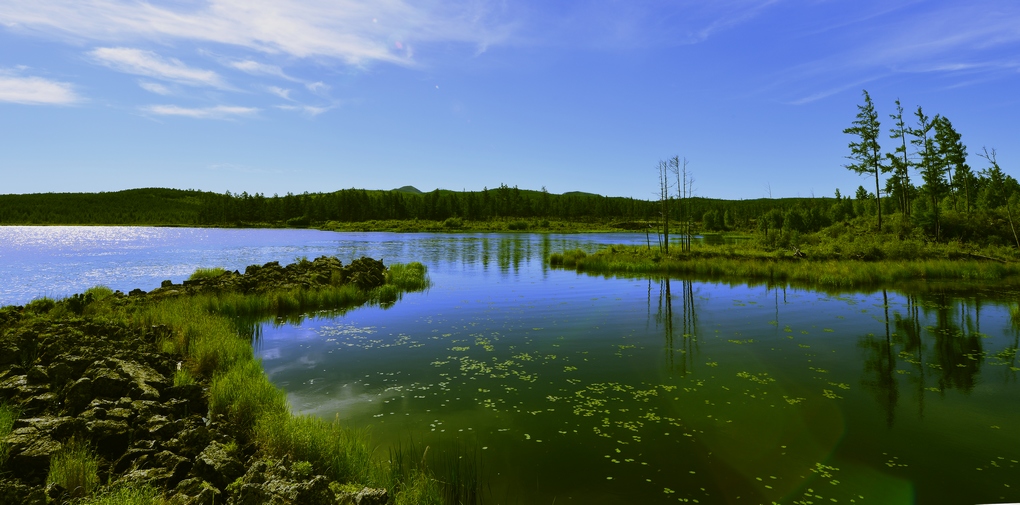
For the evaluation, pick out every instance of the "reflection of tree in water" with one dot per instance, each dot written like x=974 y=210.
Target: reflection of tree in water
x=687 y=330
x=880 y=368
x=953 y=361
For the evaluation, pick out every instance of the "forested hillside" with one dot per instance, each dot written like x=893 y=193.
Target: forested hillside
x=178 y=207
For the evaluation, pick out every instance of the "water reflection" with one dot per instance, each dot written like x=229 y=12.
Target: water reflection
x=667 y=321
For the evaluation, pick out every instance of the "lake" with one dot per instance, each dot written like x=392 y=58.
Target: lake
x=570 y=388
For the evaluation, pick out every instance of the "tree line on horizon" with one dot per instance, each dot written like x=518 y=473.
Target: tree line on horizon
x=157 y=206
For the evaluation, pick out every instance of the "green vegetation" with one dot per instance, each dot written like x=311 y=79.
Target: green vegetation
x=203 y=331
x=423 y=474
x=75 y=468
x=339 y=452
x=8 y=414
x=846 y=255
x=143 y=494
x=206 y=273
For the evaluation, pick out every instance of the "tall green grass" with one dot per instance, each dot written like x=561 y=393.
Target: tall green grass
x=341 y=453
x=436 y=474
x=245 y=396
x=781 y=266
x=208 y=331
x=75 y=468
x=131 y=494
x=206 y=273
x=8 y=415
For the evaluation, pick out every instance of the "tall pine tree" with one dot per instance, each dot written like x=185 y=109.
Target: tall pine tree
x=865 y=152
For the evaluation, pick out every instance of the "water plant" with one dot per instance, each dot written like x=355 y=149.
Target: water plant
x=75 y=467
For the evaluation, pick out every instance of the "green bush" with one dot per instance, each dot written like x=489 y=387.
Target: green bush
x=453 y=223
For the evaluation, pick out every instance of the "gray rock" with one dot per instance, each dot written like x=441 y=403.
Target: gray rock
x=218 y=465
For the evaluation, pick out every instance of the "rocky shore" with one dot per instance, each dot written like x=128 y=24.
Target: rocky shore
x=108 y=384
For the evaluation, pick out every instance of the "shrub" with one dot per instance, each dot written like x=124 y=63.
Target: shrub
x=453 y=223
x=518 y=225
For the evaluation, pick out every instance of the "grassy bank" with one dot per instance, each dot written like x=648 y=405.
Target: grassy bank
x=844 y=256
x=201 y=332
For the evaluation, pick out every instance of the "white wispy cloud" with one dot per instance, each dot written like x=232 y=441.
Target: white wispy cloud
x=319 y=88
x=150 y=64
x=969 y=41
x=308 y=110
x=256 y=68
x=35 y=90
x=155 y=87
x=217 y=112
x=355 y=31
x=280 y=92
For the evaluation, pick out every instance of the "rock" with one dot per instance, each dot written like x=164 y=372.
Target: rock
x=265 y=483
x=37 y=375
x=12 y=491
x=79 y=395
x=371 y=496
x=30 y=451
x=111 y=437
x=218 y=465
x=195 y=492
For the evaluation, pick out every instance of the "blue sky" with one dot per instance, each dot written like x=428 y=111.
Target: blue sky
x=278 y=96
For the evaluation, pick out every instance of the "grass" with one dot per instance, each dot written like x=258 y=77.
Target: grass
x=245 y=396
x=207 y=332
x=206 y=273
x=425 y=474
x=339 y=452
x=8 y=415
x=75 y=468
x=132 y=494
x=780 y=267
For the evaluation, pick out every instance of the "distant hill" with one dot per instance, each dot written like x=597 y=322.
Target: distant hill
x=408 y=189
x=579 y=193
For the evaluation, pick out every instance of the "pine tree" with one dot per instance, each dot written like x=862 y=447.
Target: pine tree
x=899 y=161
x=865 y=151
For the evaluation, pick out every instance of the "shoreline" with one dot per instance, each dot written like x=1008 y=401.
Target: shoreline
x=154 y=393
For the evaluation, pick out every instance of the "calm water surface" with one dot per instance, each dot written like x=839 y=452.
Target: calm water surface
x=583 y=389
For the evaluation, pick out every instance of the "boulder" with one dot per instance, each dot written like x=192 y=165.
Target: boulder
x=218 y=465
